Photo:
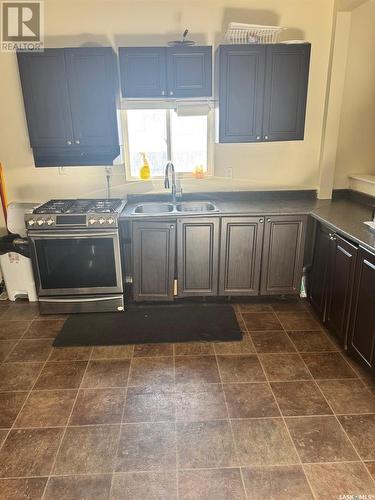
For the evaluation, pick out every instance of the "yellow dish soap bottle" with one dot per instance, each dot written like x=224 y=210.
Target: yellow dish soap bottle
x=144 y=171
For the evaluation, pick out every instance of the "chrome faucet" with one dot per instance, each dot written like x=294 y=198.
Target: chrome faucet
x=176 y=191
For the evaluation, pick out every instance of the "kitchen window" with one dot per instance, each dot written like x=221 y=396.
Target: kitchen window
x=177 y=134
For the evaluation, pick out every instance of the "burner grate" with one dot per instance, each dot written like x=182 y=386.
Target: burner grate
x=80 y=206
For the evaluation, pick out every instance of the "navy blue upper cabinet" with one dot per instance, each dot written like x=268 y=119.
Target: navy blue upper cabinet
x=70 y=104
x=189 y=71
x=242 y=77
x=159 y=72
x=287 y=74
x=46 y=97
x=143 y=71
x=92 y=95
x=262 y=92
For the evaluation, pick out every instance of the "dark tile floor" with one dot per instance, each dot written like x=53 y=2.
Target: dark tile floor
x=283 y=414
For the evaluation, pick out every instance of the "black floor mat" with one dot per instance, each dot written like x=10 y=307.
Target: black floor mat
x=149 y=324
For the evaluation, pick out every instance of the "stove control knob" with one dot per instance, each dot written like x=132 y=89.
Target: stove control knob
x=50 y=222
x=92 y=221
x=101 y=220
x=40 y=222
x=111 y=220
x=31 y=222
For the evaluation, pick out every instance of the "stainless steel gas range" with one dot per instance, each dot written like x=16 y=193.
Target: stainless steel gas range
x=75 y=251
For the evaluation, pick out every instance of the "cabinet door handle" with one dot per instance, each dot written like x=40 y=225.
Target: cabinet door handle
x=69 y=143
x=268 y=219
x=266 y=137
x=258 y=137
x=261 y=221
x=163 y=92
x=172 y=226
x=171 y=93
x=78 y=142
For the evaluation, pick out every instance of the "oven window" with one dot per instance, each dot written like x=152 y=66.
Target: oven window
x=76 y=263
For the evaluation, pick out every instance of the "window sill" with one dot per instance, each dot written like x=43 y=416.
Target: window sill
x=178 y=177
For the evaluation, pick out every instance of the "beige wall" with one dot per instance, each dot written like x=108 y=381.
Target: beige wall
x=334 y=98
x=120 y=22
x=356 y=145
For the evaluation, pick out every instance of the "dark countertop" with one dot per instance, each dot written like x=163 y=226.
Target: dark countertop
x=343 y=216
x=237 y=208
x=346 y=218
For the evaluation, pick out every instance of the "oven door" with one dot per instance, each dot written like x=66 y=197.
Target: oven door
x=76 y=262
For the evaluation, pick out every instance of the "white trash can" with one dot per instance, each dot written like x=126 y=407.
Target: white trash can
x=15 y=264
x=18 y=276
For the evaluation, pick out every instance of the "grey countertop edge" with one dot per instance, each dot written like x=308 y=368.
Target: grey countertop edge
x=344 y=217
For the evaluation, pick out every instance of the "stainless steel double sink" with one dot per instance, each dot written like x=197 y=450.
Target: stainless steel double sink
x=181 y=207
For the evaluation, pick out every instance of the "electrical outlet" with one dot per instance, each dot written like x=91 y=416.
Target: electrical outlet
x=228 y=172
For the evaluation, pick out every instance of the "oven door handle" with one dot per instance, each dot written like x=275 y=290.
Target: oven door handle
x=82 y=299
x=50 y=235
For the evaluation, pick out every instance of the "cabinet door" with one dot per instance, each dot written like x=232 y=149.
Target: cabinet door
x=240 y=255
x=189 y=71
x=283 y=248
x=197 y=256
x=242 y=74
x=287 y=74
x=46 y=97
x=91 y=77
x=143 y=71
x=320 y=272
x=340 y=286
x=153 y=251
x=362 y=330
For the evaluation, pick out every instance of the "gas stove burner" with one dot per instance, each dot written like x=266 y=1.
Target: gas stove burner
x=79 y=206
x=76 y=214
x=53 y=207
x=105 y=206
